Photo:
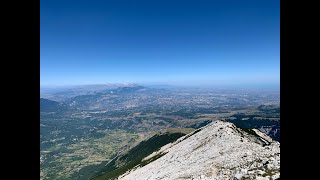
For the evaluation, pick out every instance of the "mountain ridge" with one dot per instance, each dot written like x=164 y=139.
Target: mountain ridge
x=47 y=105
x=219 y=150
x=134 y=156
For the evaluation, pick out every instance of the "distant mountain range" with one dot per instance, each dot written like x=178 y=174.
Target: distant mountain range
x=91 y=96
x=62 y=93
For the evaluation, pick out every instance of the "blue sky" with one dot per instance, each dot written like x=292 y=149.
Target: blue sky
x=176 y=41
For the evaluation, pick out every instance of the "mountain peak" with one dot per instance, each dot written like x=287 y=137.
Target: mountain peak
x=219 y=150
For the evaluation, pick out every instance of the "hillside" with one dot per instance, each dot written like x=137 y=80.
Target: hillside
x=49 y=106
x=134 y=156
x=219 y=150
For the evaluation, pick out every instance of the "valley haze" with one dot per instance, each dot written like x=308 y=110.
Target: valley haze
x=84 y=128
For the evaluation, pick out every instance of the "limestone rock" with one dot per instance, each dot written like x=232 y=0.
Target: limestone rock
x=215 y=152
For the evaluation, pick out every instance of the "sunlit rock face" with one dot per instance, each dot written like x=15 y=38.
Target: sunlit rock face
x=219 y=150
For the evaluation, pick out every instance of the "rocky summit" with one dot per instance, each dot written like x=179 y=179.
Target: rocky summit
x=219 y=150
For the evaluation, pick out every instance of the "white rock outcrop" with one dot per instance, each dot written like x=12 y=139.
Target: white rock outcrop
x=219 y=151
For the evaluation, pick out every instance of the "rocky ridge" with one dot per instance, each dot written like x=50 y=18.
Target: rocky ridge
x=219 y=150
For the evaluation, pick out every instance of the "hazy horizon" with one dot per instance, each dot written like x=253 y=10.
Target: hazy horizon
x=218 y=43
x=263 y=86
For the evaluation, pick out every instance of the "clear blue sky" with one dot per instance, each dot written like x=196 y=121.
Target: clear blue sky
x=165 y=41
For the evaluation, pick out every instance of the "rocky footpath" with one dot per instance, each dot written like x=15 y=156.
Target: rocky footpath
x=219 y=150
